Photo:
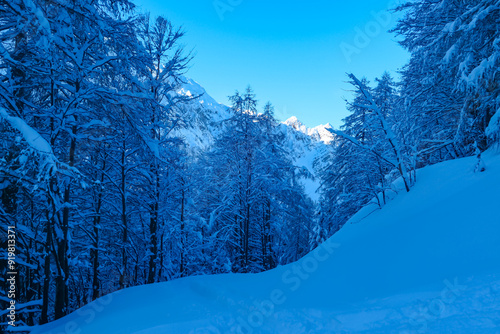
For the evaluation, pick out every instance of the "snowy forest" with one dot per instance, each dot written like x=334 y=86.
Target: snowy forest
x=105 y=191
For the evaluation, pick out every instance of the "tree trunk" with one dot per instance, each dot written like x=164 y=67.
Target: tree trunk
x=183 y=244
x=62 y=278
x=123 y=195
x=95 y=250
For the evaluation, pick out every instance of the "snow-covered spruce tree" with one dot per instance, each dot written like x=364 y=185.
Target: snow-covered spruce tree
x=122 y=157
x=348 y=177
x=367 y=155
x=451 y=84
x=256 y=211
x=212 y=215
x=386 y=145
x=181 y=238
x=287 y=212
x=234 y=160
x=162 y=79
x=387 y=96
x=368 y=170
x=110 y=165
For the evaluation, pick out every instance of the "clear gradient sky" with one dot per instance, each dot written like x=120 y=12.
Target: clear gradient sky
x=292 y=53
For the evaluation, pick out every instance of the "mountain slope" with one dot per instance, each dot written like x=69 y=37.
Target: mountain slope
x=428 y=262
x=319 y=133
x=204 y=122
x=202 y=116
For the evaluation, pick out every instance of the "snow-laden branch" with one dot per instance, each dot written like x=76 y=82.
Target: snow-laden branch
x=363 y=146
x=32 y=137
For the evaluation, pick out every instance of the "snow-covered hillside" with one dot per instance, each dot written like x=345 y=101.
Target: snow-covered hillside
x=428 y=262
x=202 y=116
x=204 y=121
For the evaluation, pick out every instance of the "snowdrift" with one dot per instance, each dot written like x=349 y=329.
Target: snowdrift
x=428 y=262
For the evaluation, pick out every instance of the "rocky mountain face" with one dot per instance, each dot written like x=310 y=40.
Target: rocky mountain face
x=319 y=133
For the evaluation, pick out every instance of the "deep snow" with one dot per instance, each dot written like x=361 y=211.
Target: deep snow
x=428 y=262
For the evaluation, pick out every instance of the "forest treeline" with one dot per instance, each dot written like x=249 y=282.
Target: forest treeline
x=104 y=195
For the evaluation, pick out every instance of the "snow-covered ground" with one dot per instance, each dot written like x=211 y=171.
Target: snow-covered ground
x=428 y=262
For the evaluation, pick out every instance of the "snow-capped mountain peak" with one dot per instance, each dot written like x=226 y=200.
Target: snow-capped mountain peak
x=296 y=124
x=320 y=132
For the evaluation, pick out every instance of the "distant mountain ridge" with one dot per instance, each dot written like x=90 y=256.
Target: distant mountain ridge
x=319 y=132
x=204 y=118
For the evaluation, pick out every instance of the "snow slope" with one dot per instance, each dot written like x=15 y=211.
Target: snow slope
x=428 y=262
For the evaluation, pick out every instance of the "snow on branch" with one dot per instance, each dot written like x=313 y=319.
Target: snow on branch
x=389 y=134
x=363 y=146
x=32 y=137
x=493 y=129
x=38 y=144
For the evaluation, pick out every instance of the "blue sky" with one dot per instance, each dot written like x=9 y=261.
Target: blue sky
x=293 y=53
